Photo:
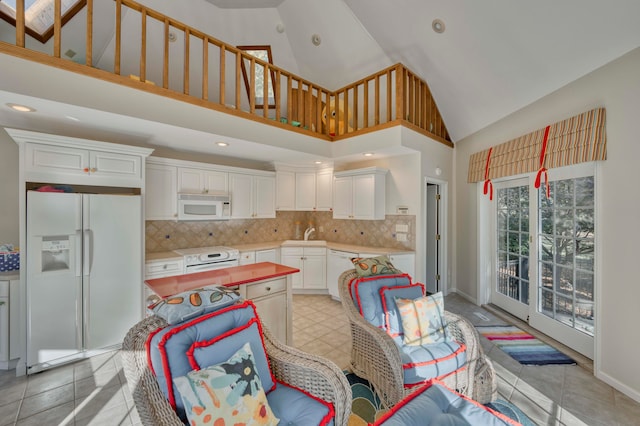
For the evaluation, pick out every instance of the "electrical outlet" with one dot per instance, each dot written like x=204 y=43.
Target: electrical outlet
x=401 y=237
x=402 y=227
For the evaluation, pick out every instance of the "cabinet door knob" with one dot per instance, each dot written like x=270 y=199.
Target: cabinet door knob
x=94 y=169
x=86 y=170
x=268 y=288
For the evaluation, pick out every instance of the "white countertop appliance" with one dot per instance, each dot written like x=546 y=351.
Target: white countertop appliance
x=202 y=259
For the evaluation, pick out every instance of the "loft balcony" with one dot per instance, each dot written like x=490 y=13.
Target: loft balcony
x=127 y=43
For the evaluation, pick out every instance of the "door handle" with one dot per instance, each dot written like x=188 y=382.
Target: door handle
x=87 y=251
x=78 y=253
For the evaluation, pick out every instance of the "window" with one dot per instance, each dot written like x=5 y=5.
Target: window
x=566 y=237
x=39 y=15
x=263 y=53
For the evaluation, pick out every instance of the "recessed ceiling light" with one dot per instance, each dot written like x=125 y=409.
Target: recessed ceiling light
x=438 y=26
x=222 y=144
x=368 y=154
x=318 y=162
x=21 y=108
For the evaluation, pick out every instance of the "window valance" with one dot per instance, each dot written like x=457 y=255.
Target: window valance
x=578 y=139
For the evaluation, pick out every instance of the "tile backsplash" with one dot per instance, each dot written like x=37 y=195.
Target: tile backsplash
x=164 y=235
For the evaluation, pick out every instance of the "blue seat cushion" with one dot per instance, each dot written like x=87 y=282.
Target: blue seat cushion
x=295 y=407
x=432 y=361
x=209 y=339
x=436 y=405
x=365 y=293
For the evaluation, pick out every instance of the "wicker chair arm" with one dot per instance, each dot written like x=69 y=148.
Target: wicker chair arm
x=462 y=331
x=375 y=355
x=151 y=404
x=313 y=374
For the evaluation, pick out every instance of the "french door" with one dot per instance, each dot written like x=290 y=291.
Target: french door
x=545 y=254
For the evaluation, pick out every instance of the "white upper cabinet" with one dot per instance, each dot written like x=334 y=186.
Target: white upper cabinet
x=252 y=196
x=324 y=190
x=306 y=191
x=201 y=181
x=285 y=190
x=161 y=201
x=359 y=194
x=304 y=188
x=65 y=160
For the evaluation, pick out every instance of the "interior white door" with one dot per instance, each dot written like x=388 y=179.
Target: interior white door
x=53 y=278
x=433 y=241
x=113 y=268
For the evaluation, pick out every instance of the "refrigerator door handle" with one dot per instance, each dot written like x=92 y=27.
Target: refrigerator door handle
x=78 y=253
x=87 y=252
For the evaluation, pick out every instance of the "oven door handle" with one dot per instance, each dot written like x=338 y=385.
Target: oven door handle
x=209 y=266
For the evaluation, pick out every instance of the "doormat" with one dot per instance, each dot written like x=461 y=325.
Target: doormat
x=366 y=408
x=522 y=346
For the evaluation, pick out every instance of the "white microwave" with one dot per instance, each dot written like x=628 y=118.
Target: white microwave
x=203 y=206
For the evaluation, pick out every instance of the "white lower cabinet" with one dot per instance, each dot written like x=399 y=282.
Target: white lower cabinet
x=247 y=258
x=268 y=255
x=272 y=303
x=312 y=262
x=9 y=324
x=337 y=262
x=405 y=262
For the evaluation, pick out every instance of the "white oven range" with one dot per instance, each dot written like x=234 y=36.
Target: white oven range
x=202 y=259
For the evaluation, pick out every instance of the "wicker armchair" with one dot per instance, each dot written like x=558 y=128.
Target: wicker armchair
x=376 y=357
x=308 y=372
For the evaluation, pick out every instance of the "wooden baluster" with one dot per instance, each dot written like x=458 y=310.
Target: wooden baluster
x=165 y=60
x=265 y=90
x=355 y=107
x=318 y=128
x=20 y=26
x=252 y=86
x=390 y=93
x=376 y=94
x=307 y=106
x=143 y=45
x=116 y=64
x=223 y=62
x=187 y=41
x=238 y=59
x=299 y=116
x=365 y=106
x=400 y=78
x=276 y=94
x=205 y=68
x=89 y=47
x=289 y=97
x=57 y=27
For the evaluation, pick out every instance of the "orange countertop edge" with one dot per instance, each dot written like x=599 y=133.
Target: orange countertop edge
x=235 y=275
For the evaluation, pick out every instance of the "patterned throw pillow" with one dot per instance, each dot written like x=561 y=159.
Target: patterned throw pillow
x=228 y=393
x=368 y=266
x=190 y=304
x=422 y=319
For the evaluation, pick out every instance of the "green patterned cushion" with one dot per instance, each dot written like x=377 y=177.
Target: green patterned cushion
x=368 y=266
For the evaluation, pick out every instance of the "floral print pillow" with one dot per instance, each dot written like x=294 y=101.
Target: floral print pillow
x=422 y=319
x=228 y=393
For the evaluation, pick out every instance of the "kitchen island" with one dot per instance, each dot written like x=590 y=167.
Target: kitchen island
x=266 y=284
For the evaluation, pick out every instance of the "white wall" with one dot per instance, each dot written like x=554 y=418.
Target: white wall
x=616 y=86
x=9 y=223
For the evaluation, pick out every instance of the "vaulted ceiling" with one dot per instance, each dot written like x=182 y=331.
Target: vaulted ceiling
x=493 y=58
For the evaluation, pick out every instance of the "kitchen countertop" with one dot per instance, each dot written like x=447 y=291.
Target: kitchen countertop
x=235 y=275
x=166 y=255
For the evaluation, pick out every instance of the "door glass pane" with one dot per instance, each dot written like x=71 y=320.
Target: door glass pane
x=566 y=232
x=512 y=275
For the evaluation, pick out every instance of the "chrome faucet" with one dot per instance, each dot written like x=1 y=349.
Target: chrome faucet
x=308 y=232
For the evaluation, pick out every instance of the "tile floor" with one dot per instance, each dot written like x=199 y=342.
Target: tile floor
x=94 y=391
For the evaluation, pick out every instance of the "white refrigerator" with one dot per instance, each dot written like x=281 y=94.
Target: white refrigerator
x=83 y=274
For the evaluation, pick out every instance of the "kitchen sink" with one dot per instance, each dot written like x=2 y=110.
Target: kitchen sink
x=312 y=243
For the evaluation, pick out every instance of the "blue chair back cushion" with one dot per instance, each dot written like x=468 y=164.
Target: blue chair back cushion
x=432 y=361
x=210 y=339
x=365 y=293
x=295 y=407
x=436 y=405
x=393 y=322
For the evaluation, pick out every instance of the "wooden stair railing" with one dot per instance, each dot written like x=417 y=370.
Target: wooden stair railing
x=393 y=96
